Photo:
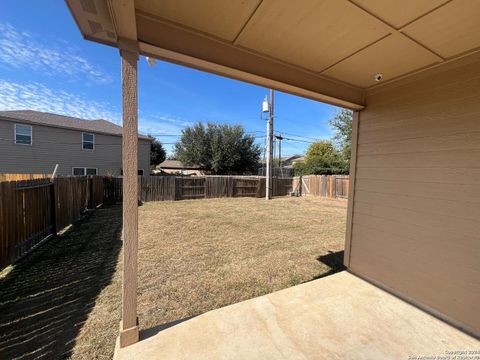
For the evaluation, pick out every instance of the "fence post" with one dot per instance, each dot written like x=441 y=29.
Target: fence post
x=90 y=190
x=205 y=187
x=53 y=207
x=331 y=187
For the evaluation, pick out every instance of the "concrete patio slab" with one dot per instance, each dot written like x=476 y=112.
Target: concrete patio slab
x=336 y=317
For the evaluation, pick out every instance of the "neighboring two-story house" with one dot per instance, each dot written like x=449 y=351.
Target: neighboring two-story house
x=34 y=142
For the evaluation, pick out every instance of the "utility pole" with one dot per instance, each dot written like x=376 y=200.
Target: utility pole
x=269 y=173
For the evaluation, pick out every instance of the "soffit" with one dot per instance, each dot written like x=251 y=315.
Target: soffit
x=399 y=13
x=451 y=30
x=392 y=56
x=310 y=33
x=220 y=18
x=299 y=43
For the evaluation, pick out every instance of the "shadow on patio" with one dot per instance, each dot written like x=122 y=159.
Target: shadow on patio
x=46 y=299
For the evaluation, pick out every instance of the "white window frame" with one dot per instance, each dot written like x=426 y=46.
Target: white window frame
x=84 y=170
x=78 y=167
x=15 y=135
x=96 y=171
x=93 y=141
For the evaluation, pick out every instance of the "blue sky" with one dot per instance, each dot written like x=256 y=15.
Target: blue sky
x=46 y=65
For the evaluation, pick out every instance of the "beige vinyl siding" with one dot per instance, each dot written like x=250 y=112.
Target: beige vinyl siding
x=64 y=146
x=416 y=214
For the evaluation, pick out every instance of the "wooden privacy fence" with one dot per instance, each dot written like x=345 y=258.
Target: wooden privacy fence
x=16 y=177
x=112 y=190
x=327 y=186
x=31 y=211
x=159 y=188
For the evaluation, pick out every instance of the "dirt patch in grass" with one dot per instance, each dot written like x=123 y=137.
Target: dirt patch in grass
x=200 y=255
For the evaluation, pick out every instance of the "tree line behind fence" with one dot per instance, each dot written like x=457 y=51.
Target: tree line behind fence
x=31 y=211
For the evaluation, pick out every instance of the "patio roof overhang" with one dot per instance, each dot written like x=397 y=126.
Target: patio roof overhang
x=329 y=50
x=324 y=50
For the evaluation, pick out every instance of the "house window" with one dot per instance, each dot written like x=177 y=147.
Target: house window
x=81 y=171
x=91 y=171
x=23 y=134
x=139 y=172
x=78 y=171
x=88 y=141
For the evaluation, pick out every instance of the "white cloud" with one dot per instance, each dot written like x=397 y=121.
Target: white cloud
x=38 y=97
x=159 y=124
x=24 y=50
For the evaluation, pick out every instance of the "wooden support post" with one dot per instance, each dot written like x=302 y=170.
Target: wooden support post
x=129 y=323
x=351 y=189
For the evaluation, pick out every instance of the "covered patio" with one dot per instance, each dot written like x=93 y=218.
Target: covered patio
x=410 y=70
x=338 y=317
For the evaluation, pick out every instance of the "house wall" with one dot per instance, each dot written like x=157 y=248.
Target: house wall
x=416 y=210
x=184 y=172
x=64 y=147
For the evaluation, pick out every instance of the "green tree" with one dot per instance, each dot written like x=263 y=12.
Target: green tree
x=157 y=153
x=342 y=124
x=322 y=158
x=220 y=148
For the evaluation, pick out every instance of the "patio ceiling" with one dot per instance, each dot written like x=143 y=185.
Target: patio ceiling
x=329 y=50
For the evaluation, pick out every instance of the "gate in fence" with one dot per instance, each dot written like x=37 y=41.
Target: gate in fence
x=327 y=186
x=33 y=210
x=159 y=188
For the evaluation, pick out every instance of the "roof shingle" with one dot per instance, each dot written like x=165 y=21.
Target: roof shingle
x=48 y=119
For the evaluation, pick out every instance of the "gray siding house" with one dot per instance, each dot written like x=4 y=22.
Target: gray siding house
x=33 y=142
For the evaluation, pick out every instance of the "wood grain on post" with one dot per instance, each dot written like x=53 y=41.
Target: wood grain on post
x=129 y=323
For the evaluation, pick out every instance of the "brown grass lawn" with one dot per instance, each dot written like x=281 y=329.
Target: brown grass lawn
x=200 y=255
x=195 y=256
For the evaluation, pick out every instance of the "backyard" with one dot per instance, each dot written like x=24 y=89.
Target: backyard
x=194 y=256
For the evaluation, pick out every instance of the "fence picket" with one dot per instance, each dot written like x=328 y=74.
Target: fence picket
x=327 y=186
x=32 y=210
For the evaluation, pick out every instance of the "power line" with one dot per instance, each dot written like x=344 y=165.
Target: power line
x=298 y=140
x=301 y=136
